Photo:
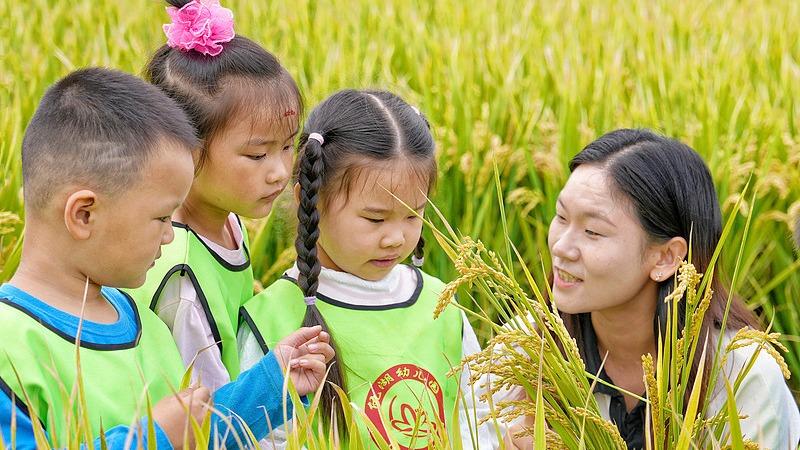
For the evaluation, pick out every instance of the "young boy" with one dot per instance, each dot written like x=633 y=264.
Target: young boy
x=106 y=159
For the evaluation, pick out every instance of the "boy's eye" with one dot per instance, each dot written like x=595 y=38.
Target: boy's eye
x=257 y=157
x=374 y=220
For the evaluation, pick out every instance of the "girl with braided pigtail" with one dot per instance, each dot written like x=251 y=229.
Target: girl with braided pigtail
x=363 y=174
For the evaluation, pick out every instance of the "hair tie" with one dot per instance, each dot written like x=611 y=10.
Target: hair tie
x=416 y=110
x=417 y=262
x=317 y=137
x=200 y=25
x=310 y=301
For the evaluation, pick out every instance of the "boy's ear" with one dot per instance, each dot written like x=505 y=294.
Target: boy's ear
x=668 y=258
x=296 y=191
x=79 y=213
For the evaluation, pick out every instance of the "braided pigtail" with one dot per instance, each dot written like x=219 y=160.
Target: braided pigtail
x=309 y=177
x=418 y=258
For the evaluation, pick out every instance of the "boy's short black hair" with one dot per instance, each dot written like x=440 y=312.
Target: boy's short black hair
x=97 y=127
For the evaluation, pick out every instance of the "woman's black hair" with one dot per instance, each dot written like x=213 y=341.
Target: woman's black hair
x=671 y=192
x=244 y=80
x=358 y=130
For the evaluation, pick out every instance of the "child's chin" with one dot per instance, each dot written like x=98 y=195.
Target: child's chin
x=259 y=210
x=131 y=283
x=376 y=274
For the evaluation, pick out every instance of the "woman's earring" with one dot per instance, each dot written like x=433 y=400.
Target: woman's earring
x=658 y=276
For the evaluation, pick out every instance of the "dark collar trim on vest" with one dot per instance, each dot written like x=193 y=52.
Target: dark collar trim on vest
x=84 y=344
x=17 y=401
x=185 y=269
x=245 y=317
x=405 y=304
x=220 y=259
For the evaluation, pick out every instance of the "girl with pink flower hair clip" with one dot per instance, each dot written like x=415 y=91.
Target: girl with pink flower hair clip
x=245 y=108
x=199 y=25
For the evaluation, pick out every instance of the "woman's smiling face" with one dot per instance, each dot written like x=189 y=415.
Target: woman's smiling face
x=598 y=247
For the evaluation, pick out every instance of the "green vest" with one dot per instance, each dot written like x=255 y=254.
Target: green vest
x=221 y=288
x=114 y=376
x=396 y=357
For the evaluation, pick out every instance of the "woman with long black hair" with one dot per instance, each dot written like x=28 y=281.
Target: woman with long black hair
x=634 y=206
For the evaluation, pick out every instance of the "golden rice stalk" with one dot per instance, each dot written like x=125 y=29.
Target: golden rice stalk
x=767 y=341
x=8 y=222
x=688 y=278
x=589 y=416
x=652 y=395
x=748 y=445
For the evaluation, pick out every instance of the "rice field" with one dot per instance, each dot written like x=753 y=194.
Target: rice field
x=520 y=86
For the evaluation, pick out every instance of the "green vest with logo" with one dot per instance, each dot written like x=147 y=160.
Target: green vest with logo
x=115 y=377
x=222 y=288
x=396 y=357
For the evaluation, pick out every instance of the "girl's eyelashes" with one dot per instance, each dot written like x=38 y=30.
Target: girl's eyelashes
x=260 y=156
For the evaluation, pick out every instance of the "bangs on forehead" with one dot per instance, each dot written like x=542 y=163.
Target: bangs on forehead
x=274 y=104
x=363 y=174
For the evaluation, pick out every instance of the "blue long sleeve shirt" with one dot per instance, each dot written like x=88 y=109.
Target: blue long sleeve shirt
x=255 y=399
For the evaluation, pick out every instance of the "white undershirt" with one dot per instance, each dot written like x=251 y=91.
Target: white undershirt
x=773 y=419
x=179 y=307
x=397 y=287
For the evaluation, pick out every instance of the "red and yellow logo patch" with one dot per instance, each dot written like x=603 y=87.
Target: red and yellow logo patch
x=406 y=401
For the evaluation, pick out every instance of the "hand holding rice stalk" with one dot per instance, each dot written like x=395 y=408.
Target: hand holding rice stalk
x=535 y=345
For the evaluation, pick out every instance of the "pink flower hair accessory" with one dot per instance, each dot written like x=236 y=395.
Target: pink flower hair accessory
x=200 y=25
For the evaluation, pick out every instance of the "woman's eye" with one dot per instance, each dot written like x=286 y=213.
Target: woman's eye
x=257 y=157
x=373 y=220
